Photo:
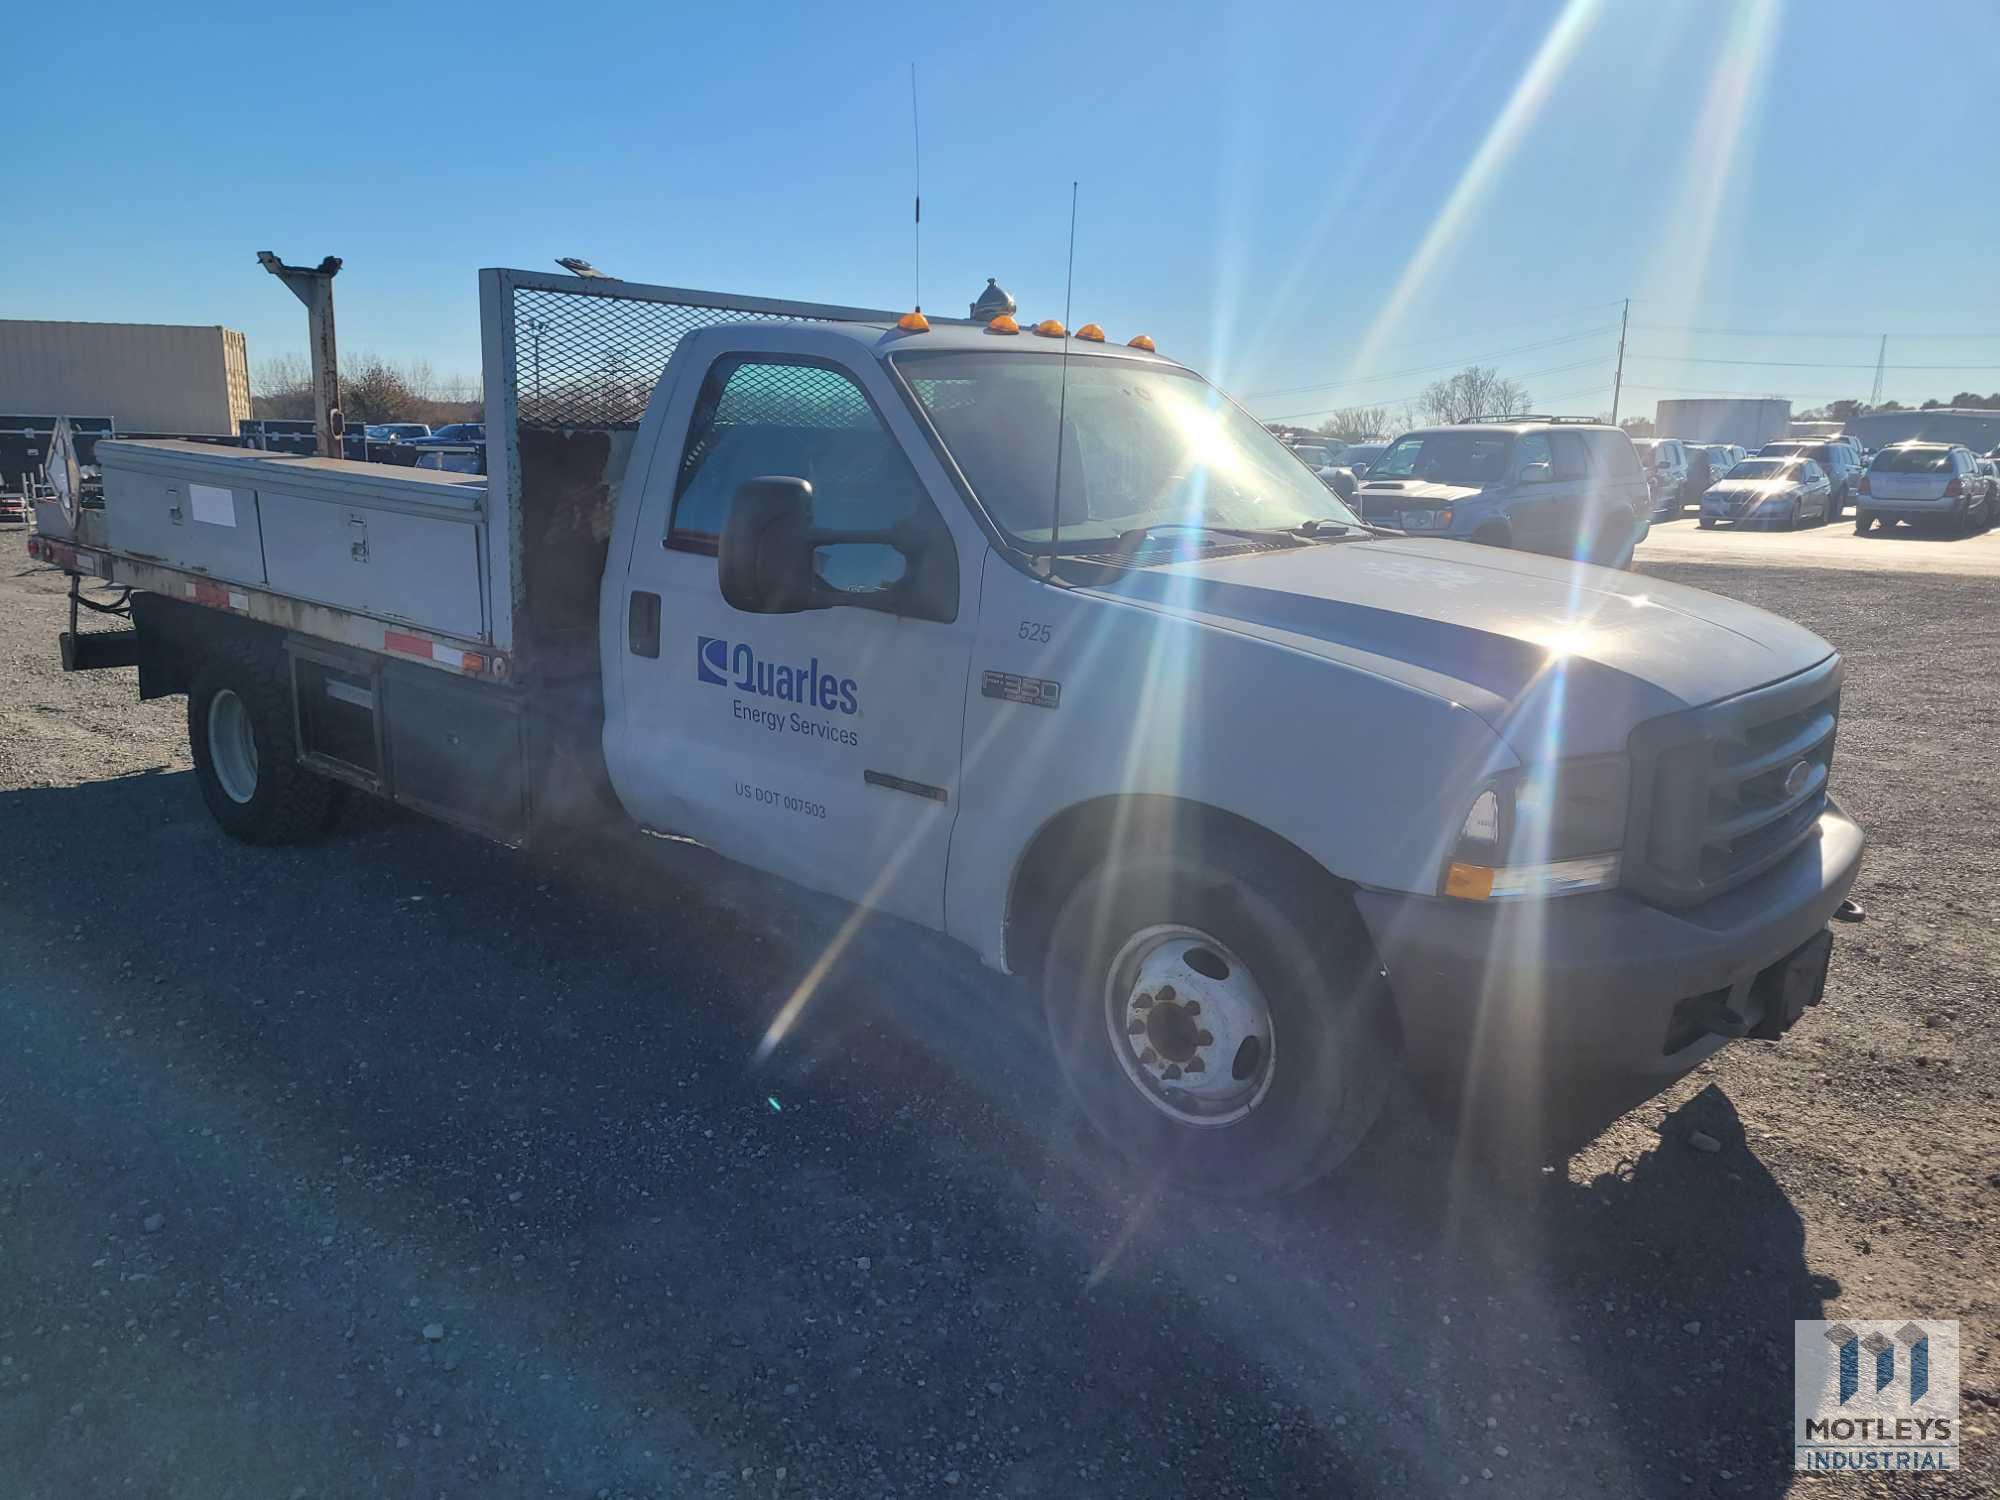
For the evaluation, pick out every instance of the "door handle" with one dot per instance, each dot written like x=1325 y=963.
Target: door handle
x=174 y=510
x=642 y=623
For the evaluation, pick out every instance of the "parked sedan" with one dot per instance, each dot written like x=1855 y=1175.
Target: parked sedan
x=1781 y=492
x=397 y=432
x=454 y=432
x=1840 y=457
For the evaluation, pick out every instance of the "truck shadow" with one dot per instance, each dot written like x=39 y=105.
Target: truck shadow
x=782 y=1180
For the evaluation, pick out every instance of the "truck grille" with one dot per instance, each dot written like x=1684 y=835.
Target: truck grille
x=1725 y=791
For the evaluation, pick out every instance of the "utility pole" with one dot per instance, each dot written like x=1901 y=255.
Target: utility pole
x=1875 y=396
x=313 y=285
x=1618 y=380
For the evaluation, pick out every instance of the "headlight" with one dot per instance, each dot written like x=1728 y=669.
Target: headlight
x=1548 y=830
x=1426 y=520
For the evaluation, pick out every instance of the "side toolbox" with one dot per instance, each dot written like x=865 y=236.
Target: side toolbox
x=455 y=750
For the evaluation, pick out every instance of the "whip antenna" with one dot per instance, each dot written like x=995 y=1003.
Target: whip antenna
x=1062 y=396
x=917 y=179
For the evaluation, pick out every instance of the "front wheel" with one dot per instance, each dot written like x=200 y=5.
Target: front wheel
x=1224 y=1028
x=245 y=750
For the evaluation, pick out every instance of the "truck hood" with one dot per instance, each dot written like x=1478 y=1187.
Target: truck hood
x=1547 y=652
x=1388 y=494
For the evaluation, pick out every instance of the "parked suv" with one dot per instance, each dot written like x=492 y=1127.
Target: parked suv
x=1567 y=486
x=1666 y=461
x=1924 y=482
x=1840 y=457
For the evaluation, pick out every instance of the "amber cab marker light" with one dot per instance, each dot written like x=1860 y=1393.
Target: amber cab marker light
x=1141 y=341
x=1092 y=332
x=1003 y=324
x=914 y=322
x=1468 y=882
x=1049 y=328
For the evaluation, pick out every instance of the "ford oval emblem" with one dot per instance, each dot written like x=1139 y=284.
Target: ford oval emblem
x=1797 y=777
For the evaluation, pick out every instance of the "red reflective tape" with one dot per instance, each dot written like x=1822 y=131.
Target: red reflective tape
x=213 y=594
x=409 y=645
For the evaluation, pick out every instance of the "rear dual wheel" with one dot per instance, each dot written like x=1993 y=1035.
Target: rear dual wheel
x=246 y=751
x=1224 y=1030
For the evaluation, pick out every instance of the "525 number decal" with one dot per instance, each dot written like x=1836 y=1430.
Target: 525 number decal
x=1030 y=630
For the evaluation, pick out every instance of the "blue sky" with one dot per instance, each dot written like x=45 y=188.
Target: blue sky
x=1286 y=196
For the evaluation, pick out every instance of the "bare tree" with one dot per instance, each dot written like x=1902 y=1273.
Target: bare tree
x=1477 y=390
x=1356 y=424
x=372 y=389
x=282 y=387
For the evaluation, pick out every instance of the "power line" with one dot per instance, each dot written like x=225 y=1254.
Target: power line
x=1318 y=411
x=1796 y=333
x=1802 y=364
x=1766 y=394
x=1431 y=369
x=1542 y=322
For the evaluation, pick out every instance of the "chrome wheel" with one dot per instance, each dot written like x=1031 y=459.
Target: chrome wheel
x=1189 y=1025
x=232 y=748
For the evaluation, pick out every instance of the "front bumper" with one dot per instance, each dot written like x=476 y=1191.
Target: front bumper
x=1598 y=986
x=1727 y=508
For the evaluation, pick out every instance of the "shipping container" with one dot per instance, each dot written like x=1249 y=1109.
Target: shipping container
x=1748 y=422
x=154 y=377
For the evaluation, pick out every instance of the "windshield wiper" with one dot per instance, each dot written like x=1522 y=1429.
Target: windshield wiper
x=1350 y=531
x=1133 y=536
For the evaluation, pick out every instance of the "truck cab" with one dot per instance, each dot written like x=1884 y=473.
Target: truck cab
x=1045 y=643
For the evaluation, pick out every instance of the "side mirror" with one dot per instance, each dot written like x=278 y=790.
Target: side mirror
x=1537 y=473
x=772 y=560
x=764 y=561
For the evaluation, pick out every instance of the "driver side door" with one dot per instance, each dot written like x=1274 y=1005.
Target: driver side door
x=822 y=746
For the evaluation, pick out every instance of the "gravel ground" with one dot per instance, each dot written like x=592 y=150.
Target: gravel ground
x=403 y=1165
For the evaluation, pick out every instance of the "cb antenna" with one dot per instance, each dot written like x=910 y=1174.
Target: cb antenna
x=1062 y=396
x=917 y=178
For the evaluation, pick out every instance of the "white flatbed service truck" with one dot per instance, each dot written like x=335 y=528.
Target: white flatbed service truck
x=1035 y=639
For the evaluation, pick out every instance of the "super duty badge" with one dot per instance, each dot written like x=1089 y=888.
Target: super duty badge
x=1011 y=688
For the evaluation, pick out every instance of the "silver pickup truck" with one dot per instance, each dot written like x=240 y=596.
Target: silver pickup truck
x=1036 y=639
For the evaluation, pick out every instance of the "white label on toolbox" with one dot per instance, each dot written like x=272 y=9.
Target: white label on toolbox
x=212 y=504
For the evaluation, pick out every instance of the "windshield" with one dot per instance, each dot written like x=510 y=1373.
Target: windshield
x=1456 y=457
x=1143 y=445
x=1762 y=468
